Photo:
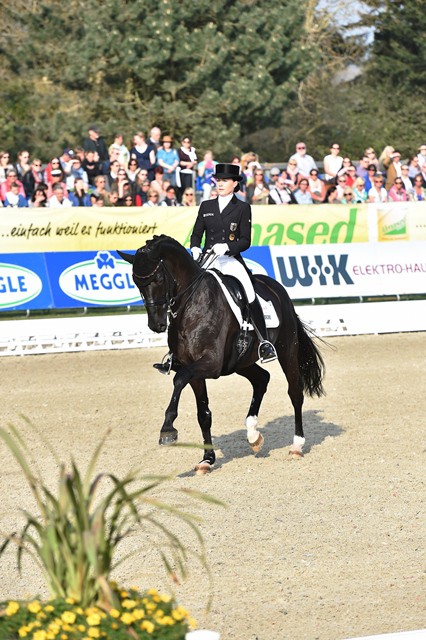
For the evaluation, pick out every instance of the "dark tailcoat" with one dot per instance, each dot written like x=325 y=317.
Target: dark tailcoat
x=232 y=226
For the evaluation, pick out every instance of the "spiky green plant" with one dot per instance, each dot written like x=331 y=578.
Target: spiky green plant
x=75 y=535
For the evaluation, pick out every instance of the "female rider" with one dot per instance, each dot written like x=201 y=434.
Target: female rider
x=226 y=223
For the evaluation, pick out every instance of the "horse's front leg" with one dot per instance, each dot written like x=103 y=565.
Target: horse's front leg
x=205 y=421
x=168 y=434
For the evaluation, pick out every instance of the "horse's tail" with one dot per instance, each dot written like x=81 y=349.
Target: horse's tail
x=311 y=364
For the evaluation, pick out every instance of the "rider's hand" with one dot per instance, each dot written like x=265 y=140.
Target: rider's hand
x=196 y=252
x=220 y=249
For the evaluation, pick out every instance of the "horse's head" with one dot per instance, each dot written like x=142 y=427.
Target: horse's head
x=156 y=276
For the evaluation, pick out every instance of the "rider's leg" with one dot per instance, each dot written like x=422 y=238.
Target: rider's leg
x=231 y=266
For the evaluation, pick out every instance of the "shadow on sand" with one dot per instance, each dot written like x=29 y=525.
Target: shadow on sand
x=278 y=434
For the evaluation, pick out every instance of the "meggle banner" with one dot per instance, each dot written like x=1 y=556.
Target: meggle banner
x=109 y=228
x=24 y=282
x=400 y=221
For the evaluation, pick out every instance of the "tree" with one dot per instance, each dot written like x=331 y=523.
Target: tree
x=217 y=70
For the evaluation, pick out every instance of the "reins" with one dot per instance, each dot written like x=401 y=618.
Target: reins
x=169 y=299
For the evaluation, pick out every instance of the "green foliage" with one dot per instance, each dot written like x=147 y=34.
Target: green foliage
x=76 y=533
x=216 y=70
x=398 y=52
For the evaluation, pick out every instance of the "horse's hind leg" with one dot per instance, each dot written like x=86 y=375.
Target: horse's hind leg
x=288 y=359
x=205 y=421
x=259 y=379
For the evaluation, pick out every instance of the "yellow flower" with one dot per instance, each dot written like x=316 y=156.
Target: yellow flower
x=165 y=598
x=93 y=632
x=49 y=608
x=128 y=604
x=23 y=632
x=79 y=611
x=40 y=635
x=138 y=614
x=51 y=635
x=68 y=617
x=54 y=627
x=192 y=623
x=81 y=628
x=41 y=615
x=147 y=626
x=166 y=620
x=152 y=592
x=93 y=620
x=127 y=618
x=70 y=600
x=114 y=626
x=64 y=636
x=34 y=606
x=124 y=594
x=114 y=613
x=12 y=608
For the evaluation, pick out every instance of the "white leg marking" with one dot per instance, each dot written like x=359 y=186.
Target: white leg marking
x=298 y=443
x=252 y=432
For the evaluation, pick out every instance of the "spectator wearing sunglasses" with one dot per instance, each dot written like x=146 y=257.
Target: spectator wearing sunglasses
x=377 y=192
x=33 y=178
x=397 y=193
x=348 y=196
x=304 y=161
x=332 y=163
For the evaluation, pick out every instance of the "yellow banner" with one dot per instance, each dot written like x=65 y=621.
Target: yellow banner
x=95 y=229
x=401 y=221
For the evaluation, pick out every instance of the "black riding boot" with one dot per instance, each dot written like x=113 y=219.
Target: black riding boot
x=267 y=351
x=165 y=365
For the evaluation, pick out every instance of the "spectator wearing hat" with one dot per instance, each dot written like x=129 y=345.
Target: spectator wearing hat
x=422 y=155
x=167 y=157
x=94 y=142
x=76 y=172
x=393 y=168
x=66 y=160
x=57 y=179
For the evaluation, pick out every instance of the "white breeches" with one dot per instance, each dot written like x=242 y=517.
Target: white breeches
x=229 y=266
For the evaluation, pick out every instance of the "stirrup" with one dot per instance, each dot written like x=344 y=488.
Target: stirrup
x=165 y=365
x=266 y=352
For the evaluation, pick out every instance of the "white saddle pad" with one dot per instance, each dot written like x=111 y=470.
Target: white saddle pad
x=271 y=318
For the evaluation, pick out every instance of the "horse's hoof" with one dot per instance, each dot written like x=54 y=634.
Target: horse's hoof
x=257 y=446
x=203 y=468
x=295 y=454
x=168 y=438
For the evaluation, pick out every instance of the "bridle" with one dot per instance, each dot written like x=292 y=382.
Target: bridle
x=171 y=285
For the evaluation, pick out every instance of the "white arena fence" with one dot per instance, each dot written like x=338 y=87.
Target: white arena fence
x=130 y=331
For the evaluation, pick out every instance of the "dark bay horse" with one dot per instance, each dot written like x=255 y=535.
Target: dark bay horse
x=202 y=331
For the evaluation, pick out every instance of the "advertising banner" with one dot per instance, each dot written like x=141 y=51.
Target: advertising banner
x=24 y=282
x=88 y=279
x=109 y=228
x=328 y=271
x=400 y=221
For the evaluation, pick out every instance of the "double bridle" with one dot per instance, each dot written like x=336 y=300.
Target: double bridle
x=170 y=300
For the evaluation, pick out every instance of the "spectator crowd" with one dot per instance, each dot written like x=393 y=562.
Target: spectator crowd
x=154 y=172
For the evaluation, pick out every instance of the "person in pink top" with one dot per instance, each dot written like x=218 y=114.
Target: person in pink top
x=397 y=193
x=5 y=187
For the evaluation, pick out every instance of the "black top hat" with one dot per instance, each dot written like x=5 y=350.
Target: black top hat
x=228 y=171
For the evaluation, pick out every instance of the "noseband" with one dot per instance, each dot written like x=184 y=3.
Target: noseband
x=171 y=283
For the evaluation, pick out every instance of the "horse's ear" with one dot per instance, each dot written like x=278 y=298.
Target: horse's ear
x=128 y=257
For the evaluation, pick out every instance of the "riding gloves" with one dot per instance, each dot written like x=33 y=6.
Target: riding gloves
x=220 y=249
x=196 y=252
